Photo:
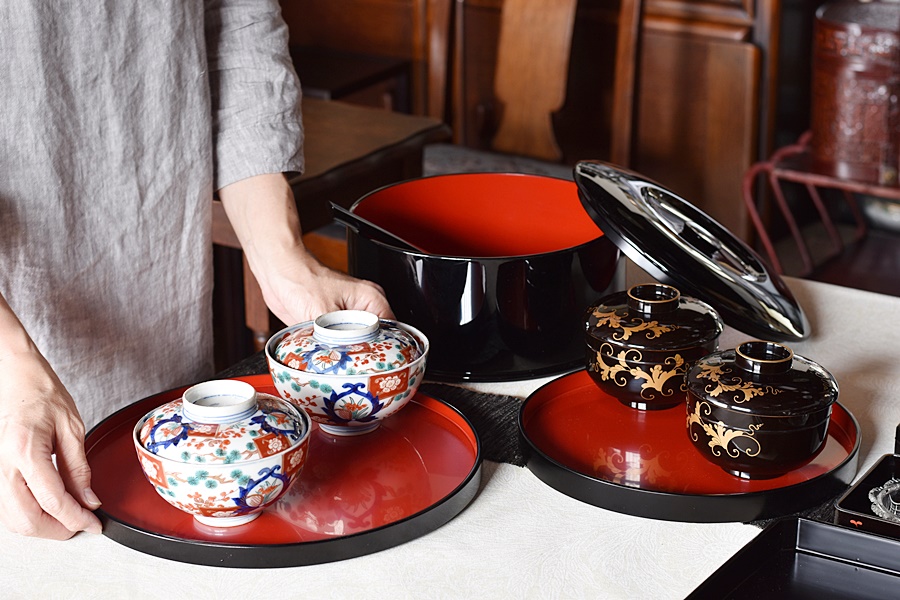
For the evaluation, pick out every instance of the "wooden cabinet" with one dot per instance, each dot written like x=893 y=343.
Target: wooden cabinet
x=698 y=120
x=704 y=101
x=395 y=28
x=707 y=98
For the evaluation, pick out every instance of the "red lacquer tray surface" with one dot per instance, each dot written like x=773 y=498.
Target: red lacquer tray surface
x=591 y=435
x=351 y=492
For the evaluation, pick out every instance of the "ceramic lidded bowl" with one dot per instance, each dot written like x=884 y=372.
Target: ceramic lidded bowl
x=640 y=343
x=759 y=411
x=222 y=452
x=347 y=369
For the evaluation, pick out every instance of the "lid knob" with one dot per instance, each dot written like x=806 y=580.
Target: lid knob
x=653 y=298
x=346 y=327
x=763 y=358
x=219 y=402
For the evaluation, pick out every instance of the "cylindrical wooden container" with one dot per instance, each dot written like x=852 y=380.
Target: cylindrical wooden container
x=855 y=84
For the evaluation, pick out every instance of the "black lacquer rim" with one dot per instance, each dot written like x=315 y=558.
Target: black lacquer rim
x=471 y=258
x=878 y=474
x=816 y=539
x=263 y=556
x=692 y=508
x=501 y=376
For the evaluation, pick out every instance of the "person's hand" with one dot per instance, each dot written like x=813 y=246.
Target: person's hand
x=295 y=286
x=37 y=420
x=299 y=289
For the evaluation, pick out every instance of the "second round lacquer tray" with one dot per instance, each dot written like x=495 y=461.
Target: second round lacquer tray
x=591 y=447
x=356 y=495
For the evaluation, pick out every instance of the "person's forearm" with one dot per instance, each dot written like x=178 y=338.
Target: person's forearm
x=13 y=337
x=264 y=216
x=295 y=285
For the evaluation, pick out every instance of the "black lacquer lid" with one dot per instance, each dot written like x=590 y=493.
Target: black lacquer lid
x=762 y=378
x=652 y=317
x=680 y=245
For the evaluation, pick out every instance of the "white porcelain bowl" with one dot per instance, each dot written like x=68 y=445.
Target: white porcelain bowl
x=347 y=369
x=222 y=452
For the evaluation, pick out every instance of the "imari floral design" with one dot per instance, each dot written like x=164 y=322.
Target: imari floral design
x=383 y=371
x=651 y=329
x=278 y=422
x=293 y=461
x=218 y=495
x=265 y=489
x=321 y=359
x=721 y=438
x=227 y=470
x=390 y=384
x=271 y=428
x=394 y=349
x=740 y=391
x=153 y=469
x=354 y=403
x=654 y=381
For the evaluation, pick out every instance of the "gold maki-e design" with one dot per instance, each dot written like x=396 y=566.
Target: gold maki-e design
x=640 y=344
x=652 y=329
x=655 y=379
x=720 y=436
x=724 y=382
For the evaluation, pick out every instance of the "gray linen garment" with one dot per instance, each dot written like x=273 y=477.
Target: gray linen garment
x=118 y=118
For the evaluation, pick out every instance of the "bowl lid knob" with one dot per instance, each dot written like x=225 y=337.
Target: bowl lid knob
x=763 y=358
x=653 y=298
x=219 y=401
x=346 y=327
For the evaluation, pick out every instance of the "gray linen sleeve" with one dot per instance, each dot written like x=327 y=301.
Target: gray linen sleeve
x=257 y=125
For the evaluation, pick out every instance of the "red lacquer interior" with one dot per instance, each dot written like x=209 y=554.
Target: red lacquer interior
x=349 y=485
x=579 y=426
x=482 y=214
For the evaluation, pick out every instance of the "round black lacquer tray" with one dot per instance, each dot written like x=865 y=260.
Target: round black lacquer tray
x=356 y=495
x=586 y=444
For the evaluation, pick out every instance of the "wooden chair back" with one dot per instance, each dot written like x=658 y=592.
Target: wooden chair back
x=531 y=75
x=535 y=40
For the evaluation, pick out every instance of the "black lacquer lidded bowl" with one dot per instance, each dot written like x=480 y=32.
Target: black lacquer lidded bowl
x=640 y=343
x=759 y=411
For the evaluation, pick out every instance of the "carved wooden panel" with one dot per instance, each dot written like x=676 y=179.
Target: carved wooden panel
x=733 y=12
x=696 y=126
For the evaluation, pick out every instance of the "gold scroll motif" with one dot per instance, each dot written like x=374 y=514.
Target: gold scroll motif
x=743 y=390
x=721 y=437
x=652 y=328
x=654 y=380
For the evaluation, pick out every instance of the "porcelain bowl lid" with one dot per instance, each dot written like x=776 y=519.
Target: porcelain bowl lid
x=221 y=423
x=347 y=342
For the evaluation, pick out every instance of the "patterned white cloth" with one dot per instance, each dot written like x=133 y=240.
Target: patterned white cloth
x=519 y=538
x=118 y=119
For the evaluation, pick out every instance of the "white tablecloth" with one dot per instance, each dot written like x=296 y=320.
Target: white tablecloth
x=519 y=537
